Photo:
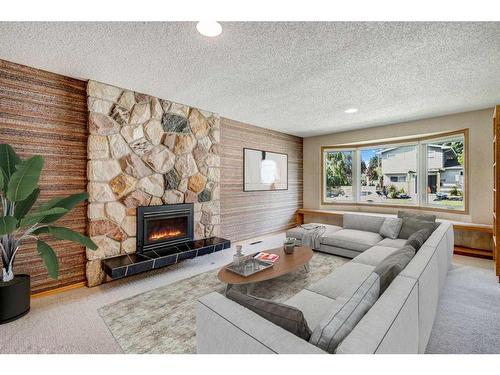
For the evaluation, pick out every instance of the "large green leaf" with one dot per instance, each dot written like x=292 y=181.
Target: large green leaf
x=49 y=204
x=62 y=233
x=8 y=224
x=68 y=203
x=3 y=179
x=8 y=160
x=25 y=179
x=37 y=216
x=49 y=258
x=23 y=207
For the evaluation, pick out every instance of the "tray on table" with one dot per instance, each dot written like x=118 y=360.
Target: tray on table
x=249 y=266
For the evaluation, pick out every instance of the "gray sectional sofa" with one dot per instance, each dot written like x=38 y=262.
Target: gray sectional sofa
x=400 y=321
x=358 y=233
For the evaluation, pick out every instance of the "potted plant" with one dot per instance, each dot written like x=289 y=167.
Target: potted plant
x=19 y=222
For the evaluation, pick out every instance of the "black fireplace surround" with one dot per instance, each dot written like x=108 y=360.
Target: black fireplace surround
x=164 y=237
x=162 y=226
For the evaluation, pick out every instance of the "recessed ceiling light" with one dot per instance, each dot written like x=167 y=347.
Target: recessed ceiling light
x=209 y=28
x=351 y=110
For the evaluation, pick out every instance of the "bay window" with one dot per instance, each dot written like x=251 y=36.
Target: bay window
x=419 y=172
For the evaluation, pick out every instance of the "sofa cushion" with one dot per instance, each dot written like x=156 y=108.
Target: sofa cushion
x=314 y=306
x=411 y=225
x=390 y=227
x=342 y=282
x=338 y=323
x=368 y=223
x=418 y=216
x=397 y=243
x=392 y=265
x=417 y=239
x=287 y=317
x=374 y=255
x=352 y=239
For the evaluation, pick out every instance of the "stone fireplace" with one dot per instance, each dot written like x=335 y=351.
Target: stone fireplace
x=144 y=152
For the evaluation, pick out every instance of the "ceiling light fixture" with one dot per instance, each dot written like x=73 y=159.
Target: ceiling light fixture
x=209 y=28
x=351 y=110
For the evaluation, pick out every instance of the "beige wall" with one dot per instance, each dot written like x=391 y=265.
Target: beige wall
x=479 y=168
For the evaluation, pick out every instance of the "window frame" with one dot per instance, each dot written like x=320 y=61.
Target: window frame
x=353 y=172
x=424 y=166
x=421 y=148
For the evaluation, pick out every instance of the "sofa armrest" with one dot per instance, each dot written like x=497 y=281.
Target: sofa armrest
x=225 y=327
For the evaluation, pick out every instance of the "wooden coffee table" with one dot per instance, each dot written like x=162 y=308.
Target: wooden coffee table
x=285 y=264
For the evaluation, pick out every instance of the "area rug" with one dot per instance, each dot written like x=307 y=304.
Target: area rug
x=163 y=320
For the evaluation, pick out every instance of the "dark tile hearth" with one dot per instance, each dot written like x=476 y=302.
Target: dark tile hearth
x=131 y=264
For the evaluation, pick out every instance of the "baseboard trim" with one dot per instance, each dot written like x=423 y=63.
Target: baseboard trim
x=59 y=290
x=476 y=253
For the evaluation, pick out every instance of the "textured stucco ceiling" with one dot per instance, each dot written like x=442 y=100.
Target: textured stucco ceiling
x=294 y=77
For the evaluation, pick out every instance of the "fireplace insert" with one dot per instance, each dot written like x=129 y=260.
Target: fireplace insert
x=161 y=226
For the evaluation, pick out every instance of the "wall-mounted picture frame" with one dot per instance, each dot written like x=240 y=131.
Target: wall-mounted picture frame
x=264 y=170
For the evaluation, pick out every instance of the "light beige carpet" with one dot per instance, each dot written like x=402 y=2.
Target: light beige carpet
x=163 y=320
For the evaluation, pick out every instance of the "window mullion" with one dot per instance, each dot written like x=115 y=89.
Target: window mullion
x=357 y=176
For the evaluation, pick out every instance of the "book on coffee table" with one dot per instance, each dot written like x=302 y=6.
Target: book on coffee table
x=267 y=257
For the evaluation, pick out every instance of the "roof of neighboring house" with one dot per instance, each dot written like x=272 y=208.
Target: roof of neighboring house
x=440 y=146
x=450 y=158
x=390 y=149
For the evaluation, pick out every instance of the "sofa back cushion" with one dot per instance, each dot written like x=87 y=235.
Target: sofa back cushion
x=339 y=322
x=419 y=216
x=391 y=266
x=411 y=225
x=413 y=222
x=287 y=317
x=368 y=223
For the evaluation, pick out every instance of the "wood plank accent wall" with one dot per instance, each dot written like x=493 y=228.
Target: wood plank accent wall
x=45 y=113
x=250 y=214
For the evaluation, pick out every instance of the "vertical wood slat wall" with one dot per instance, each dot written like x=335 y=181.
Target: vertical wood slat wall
x=46 y=114
x=251 y=214
x=496 y=187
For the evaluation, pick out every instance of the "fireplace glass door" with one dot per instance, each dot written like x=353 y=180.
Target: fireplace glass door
x=165 y=229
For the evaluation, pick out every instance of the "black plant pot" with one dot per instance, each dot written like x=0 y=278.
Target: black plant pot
x=14 y=298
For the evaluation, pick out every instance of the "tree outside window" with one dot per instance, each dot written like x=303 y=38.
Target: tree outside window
x=339 y=175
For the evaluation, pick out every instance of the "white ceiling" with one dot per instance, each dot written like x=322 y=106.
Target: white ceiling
x=293 y=77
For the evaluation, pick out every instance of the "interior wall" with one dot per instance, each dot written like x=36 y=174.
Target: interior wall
x=252 y=214
x=480 y=160
x=43 y=113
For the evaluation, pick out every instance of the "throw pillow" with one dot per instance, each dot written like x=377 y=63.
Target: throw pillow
x=424 y=217
x=391 y=227
x=287 y=317
x=417 y=239
x=339 y=322
x=392 y=265
x=412 y=225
